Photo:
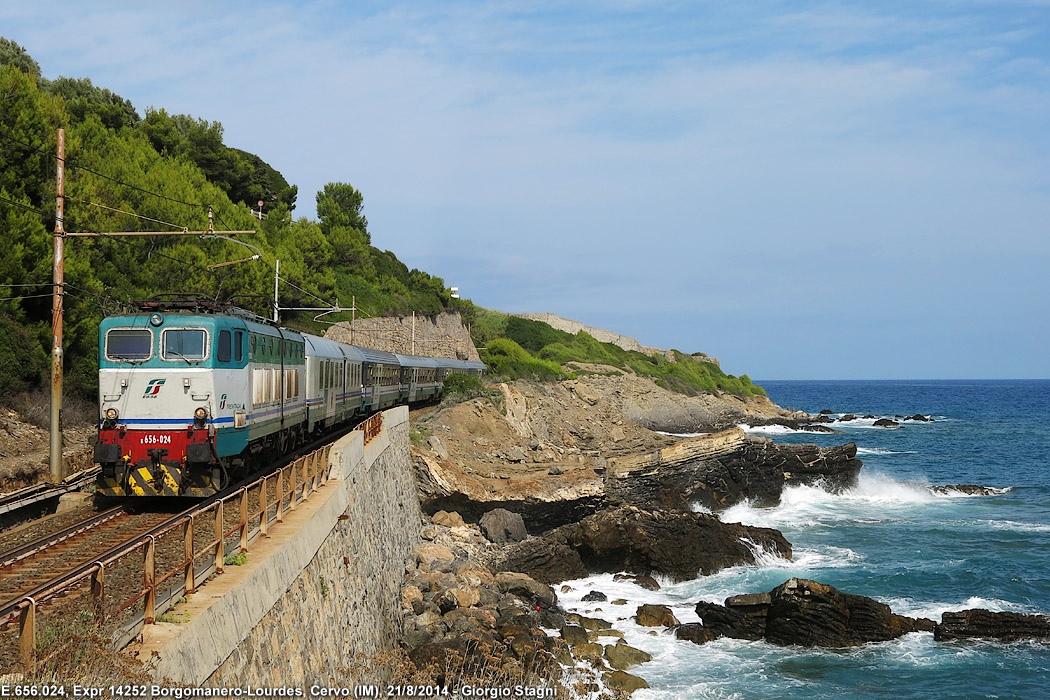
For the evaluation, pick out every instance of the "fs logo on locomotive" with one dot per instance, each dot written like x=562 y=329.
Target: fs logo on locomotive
x=153 y=388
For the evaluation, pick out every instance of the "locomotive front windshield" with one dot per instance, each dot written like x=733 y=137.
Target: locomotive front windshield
x=129 y=344
x=184 y=344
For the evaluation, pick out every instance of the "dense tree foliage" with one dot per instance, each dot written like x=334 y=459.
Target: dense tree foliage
x=82 y=98
x=157 y=173
x=15 y=54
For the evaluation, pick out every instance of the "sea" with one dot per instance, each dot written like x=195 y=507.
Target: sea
x=890 y=538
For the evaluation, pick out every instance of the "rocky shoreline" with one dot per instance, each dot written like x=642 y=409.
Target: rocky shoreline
x=549 y=483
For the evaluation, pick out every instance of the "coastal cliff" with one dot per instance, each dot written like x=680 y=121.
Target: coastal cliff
x=558 y=452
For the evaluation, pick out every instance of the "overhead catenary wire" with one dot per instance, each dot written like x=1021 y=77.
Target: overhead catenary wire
x=128 y=213
x=74 y=165
x=107 y=237
x=123 y=303
x=29 y=296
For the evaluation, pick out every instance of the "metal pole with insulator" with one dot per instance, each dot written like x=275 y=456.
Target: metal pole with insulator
x=56 y=466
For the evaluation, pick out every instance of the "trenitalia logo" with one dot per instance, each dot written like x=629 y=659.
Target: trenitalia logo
x=153 y=388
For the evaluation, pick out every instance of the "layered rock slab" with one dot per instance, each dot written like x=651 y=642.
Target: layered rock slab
x=725 y=468
x=680 y=545
x=985 y=624
x=801 y=612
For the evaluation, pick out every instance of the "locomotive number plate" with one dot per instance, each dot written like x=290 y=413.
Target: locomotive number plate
x=155 y=440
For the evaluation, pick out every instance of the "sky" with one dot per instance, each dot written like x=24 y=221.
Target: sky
x=805 y=190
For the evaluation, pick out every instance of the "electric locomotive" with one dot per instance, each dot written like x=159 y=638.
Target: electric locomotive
x=192 y=398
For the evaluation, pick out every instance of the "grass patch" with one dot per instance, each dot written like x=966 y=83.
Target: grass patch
x=175 y=616
x=75 y=652
x=418 y=435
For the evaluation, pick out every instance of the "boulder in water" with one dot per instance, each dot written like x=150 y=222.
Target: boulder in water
x=1003 y=626
x=804 y=613
x=676 y=544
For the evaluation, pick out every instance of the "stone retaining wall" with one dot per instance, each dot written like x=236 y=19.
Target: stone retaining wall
x=324 y=597
x=441 y=335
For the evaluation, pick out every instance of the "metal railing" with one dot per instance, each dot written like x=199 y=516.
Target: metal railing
x=171 y=561
x=372 y=427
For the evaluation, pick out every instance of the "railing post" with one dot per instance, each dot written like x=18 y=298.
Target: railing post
x=187 y=547
x=150 y=580
x=306 y=476
x=263 y=506
x=98 y=591
x=244 y=519
x=280 y=496
x=292 y=471
x=27 y=634
x=324 y=464
x=220 y=558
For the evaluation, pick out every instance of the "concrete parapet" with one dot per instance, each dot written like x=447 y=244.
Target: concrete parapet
x=321 y=590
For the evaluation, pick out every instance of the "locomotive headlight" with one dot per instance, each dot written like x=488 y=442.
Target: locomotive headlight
x=200 y=416
x=156 y=319
x=110 y=421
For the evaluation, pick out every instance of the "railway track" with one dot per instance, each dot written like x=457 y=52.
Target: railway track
x=33 y=566
x=119 y=569
x=33 y=501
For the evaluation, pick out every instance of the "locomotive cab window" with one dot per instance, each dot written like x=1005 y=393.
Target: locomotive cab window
x=225 y=350
x=188 y=344
x=129 y=344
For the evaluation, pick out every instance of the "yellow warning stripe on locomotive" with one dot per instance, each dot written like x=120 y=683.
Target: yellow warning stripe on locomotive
x=142 y=483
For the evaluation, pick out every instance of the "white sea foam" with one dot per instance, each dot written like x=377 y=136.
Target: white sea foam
x=933 y=611
x=1015 y=526
x=875 y=498
x=762 y=555
x=881 y=451
x=773 y=430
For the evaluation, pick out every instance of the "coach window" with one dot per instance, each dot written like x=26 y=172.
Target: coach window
x=224 y=352
x=184 y=344
x=238 y=346
x=129 y=344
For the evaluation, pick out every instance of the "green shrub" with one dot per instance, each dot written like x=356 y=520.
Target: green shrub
x=23 y=363
x=506 y=358
x=457 y=382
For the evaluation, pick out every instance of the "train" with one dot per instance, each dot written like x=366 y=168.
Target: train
x=193 y=396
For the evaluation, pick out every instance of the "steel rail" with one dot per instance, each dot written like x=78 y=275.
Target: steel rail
x=40 y=544
x=25 y=497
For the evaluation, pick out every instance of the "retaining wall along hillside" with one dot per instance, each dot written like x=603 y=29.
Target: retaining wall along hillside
x=322 y=590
